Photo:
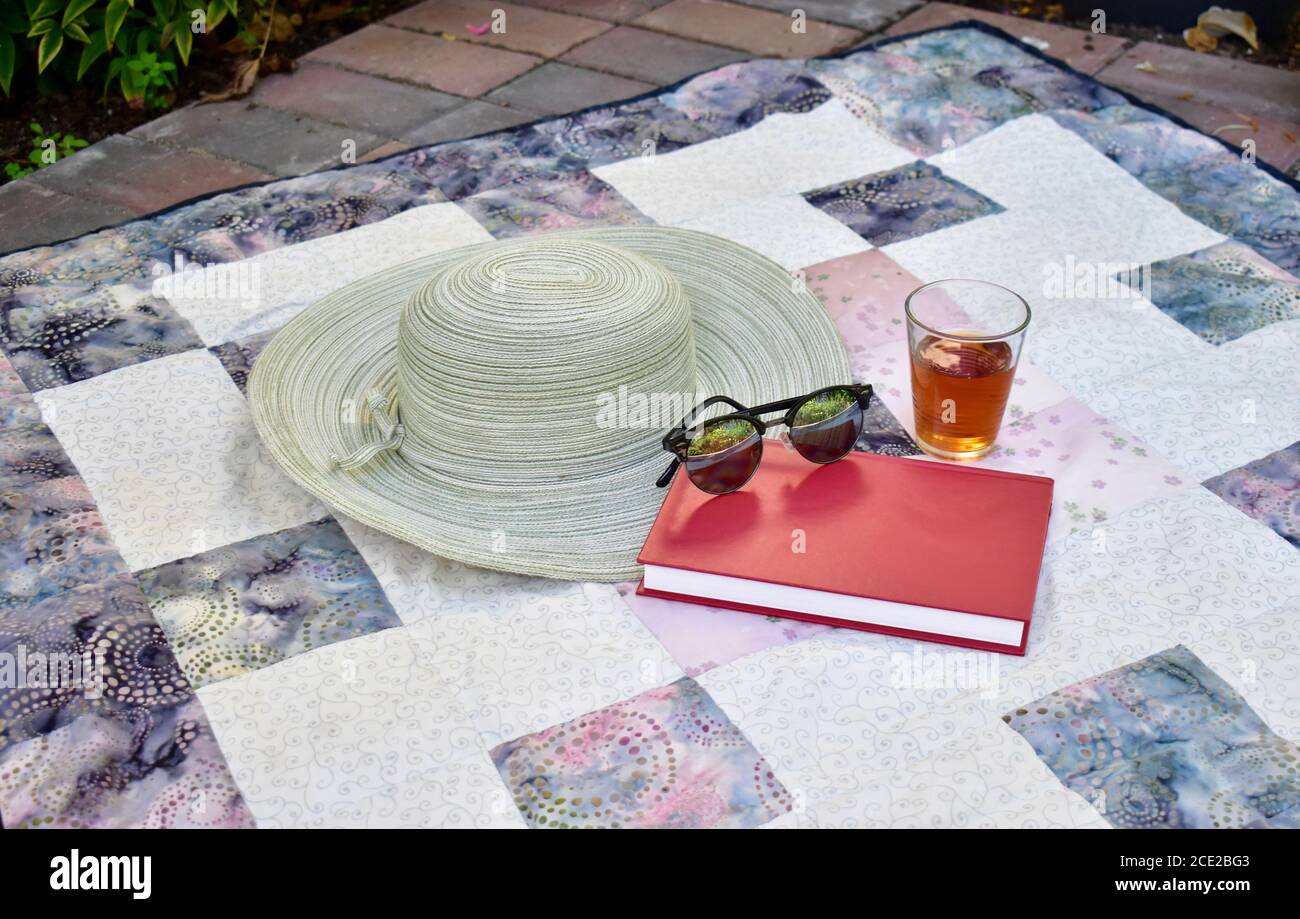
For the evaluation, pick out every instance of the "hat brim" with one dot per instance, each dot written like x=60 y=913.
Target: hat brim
x=759 y=336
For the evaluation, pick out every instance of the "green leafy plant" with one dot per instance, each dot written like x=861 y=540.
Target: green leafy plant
x=60 y=145
x=144 y=76
x=134 y=46
x=47 y=149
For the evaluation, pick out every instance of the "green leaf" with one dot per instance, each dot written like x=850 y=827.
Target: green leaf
x=46 y=8
x=168 y=33
x=92 y=52
x=132 y=85
x=76 y=8
x=49 y=49
x=184 y=41
x=8 y=58
x=74 y=31
x=113 y=17
x=42 y=27
x=216 y=12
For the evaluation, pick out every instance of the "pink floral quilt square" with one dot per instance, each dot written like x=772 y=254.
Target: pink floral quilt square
x=668 y=758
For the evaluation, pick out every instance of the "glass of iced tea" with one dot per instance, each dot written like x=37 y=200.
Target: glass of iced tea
x=965 y=338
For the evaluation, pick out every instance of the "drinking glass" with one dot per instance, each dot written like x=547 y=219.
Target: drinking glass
x=964 y=337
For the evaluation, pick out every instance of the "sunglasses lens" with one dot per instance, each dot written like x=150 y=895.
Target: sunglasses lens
x=827 y=425
x=723 y=456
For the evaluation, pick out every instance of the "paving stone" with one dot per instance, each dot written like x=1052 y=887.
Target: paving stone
x=757 y=31
x=554 y=89
x=457 y=67
x=1276 y=142
x=650 y=56
x=141 y=177
x=867 y=15
x=534 y=31
x=279 y=142
x=1234 y=85
x=470 y=120
x=608 y=10
x=32 y=215
x=355 y=99
x=1079 y=48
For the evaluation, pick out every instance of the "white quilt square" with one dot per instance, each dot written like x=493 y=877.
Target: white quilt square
x=788 y=230
x=170 y=453
x=1092 y=344
x=232 y=300
x=1258 y=659
x=315 y=739
x=527 y=653
x=845 y=720
x=1173 y=570
x=466 y=793
x=1077 y=198
x=988 y=779
x=1215 y=411
x=783 y=154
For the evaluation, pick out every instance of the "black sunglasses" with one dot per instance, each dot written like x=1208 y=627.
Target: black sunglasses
x=721 y=454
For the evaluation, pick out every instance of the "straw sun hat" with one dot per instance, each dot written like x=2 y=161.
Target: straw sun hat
x=488 y=404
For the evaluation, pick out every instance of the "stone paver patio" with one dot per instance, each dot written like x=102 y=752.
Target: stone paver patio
x=404 y=83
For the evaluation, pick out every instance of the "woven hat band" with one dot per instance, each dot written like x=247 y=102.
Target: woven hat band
x=506 y=358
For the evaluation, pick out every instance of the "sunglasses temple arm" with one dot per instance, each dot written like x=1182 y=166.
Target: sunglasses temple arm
x=668 y=474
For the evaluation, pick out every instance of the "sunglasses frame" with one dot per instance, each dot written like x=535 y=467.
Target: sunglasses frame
x=677 y=443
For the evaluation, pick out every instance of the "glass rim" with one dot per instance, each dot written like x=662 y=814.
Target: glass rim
x=907 y=309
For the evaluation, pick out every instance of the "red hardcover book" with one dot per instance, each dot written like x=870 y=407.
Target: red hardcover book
x=906 y=547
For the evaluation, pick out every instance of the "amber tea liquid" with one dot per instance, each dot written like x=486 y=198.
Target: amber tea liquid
x=959 y=392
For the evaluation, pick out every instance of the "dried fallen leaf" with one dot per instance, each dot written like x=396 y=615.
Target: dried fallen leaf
x=1290 y=138
x=280 y=24
x=1217 y=22
x=330 y=11
x=238 y=45
x=243 y=83
x=1199 y=40
x=1146 y=67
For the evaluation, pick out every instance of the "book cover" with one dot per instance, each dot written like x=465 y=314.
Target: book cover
x=906 y=547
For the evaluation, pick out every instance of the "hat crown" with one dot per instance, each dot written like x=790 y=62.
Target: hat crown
x=505 y=359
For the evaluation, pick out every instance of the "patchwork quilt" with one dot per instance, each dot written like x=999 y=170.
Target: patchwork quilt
x=267 y=663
